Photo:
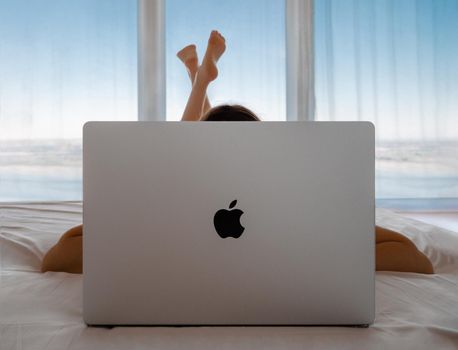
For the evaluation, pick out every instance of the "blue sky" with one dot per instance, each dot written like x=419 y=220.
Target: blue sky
x=65 y=62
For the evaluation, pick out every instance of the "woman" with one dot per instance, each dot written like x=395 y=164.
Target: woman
x=394 y=252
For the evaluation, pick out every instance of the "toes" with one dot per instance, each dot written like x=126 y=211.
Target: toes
x=217 y=34
x=188 y=48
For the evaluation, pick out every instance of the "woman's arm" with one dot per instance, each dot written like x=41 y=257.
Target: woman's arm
x=395 y=252
x=67 y=254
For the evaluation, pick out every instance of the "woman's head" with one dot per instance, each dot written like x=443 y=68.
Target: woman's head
x=230 y=113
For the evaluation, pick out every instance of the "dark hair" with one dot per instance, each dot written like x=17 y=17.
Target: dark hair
x=230 y=113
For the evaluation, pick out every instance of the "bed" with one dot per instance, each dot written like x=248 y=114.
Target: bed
x=44 y=311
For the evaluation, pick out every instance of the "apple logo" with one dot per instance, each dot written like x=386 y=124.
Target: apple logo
x=227 y=222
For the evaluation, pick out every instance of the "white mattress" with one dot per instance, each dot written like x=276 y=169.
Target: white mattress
x=43 y=311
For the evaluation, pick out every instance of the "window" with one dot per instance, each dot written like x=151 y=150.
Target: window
x=395 y=63
x=252 y=70
x=61 y=63
x=387 y=61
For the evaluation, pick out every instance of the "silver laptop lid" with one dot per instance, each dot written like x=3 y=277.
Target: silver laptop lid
x=152 y=253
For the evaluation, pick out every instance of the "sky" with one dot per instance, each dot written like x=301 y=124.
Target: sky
x=391 y=62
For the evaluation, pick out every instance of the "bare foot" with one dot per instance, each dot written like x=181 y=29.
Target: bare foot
x=216 y=47
x=188 y=55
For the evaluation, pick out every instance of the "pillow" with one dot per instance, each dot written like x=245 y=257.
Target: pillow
x=28 y=230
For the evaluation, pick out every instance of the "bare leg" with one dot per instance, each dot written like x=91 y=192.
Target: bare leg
x=188 y=56
x=206 y=73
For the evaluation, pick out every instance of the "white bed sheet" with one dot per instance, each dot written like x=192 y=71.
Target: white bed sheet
x=44 y=311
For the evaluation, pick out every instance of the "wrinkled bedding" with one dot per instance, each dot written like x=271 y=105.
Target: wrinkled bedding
x=44 y=311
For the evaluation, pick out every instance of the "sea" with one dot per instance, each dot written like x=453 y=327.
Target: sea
x=409 y=175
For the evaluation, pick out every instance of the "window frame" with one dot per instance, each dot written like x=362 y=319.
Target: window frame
x=151 y=60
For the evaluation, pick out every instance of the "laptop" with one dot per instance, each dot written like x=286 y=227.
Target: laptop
x=228 y=223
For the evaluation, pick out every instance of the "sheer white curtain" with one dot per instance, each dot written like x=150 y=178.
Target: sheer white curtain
x=395 y=63
x=61 y=63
